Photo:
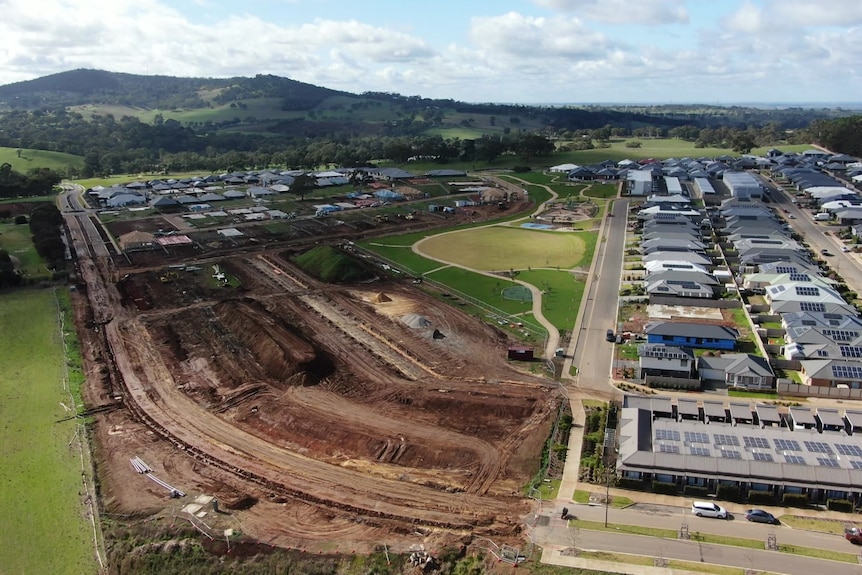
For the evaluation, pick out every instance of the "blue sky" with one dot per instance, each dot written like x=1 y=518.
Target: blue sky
x=524 y=51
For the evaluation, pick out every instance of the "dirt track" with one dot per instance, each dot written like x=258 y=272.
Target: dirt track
x=316 y=393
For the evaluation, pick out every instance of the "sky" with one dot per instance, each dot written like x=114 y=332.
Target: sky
x=513 y=51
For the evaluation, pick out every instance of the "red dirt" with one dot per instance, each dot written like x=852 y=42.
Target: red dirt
x=311 y=406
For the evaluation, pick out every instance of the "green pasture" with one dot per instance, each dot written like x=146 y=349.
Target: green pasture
x=659 y=148
x=31 y=159
x=504 y=248
x=401 y=253
x=561 y=295
x=44 y=528
x=481 y=287
x=17 y=240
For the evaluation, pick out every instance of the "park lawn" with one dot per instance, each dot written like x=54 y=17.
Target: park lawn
x=32 y=159
x=562 y=294
x=481 y=287
x=752 y=394
x=504 y=248
x=604 y=191
x=16 y=240
x=401 y=254
x=40 y=509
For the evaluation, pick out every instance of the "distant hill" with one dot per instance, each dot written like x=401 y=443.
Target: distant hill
x=94 y=87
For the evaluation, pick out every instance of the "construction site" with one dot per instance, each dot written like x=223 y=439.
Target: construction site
x=313 y=412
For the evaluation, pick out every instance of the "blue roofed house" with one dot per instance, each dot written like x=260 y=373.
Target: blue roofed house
x=691 y=334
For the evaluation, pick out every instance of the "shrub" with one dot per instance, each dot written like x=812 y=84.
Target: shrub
x=728 y=492
x=20 y=220
x=664 y=487
x=762 y=497
x=630 y=483
x=695 y=490
x=839 y=505
x=795 y=499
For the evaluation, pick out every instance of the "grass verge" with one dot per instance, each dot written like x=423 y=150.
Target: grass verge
x=814 y=524
x=627 y=559
x=716 y=540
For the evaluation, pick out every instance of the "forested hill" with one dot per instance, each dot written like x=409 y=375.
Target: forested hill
x=79 y=87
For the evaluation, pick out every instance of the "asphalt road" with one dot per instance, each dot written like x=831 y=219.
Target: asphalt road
x=847 y=265
x=557 y=532
x=591 y=353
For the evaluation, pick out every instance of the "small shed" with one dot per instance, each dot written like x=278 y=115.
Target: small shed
x=520 y=353
x=853 y=418
x=661 y=407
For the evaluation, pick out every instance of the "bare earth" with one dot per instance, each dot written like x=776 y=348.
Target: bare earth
x=313 y=412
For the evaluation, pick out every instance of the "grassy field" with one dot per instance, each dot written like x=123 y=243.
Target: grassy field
x=40 y=510
x=503 y=248
x=562 y=295
x=31 y=159
x=16 y=240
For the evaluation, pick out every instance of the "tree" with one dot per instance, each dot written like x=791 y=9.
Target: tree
x=743 y=142
x=302 y=184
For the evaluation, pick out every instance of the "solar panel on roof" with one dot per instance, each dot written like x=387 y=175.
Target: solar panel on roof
x=827 y=462
x=811 y=306
x=785 y=269
x=817 y=447
x=832 y=316
x=722 y=439
x=846 y=449
x=800 y=278
x=856 y=464
x=840 y=334
x=850 y=351
x=807 y=291
x=754 y=441
x=787 y=445
x=796 y=459
x=668 y=448
x=669 y=434
x=731 y=454
x=701 y=451
x=696 y=437
x=847 y=371
x=759 y=456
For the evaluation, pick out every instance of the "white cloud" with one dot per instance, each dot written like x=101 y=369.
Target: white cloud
x=623 y=11
x=526 y=37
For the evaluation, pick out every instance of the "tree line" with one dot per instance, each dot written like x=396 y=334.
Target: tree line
x=36 y=182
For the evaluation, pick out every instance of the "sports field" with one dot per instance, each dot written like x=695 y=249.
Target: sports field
x=504 y=248
x=43 y=523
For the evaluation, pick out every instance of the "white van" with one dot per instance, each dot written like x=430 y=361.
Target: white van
x=822 y=217
x=708 y=509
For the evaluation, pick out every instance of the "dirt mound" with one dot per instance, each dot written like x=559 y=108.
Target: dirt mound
x=415 y=320
x=381 y=298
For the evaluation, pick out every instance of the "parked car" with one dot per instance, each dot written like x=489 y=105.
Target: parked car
x=708 y=509
x=610 y=335
x=853 y=535
x=845 y=249
x=825 y=252
x=761 y=516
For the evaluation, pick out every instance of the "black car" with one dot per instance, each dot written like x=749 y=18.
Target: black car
x=761 y=516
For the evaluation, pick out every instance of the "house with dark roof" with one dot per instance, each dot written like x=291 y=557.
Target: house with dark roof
x=737 y=370
x=692 y=334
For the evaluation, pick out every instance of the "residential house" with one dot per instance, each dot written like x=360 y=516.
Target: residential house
x=660 y=360
x=692 y=334
x=737 y=370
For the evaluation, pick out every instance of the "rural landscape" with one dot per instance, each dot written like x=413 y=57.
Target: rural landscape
x=255 y=325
